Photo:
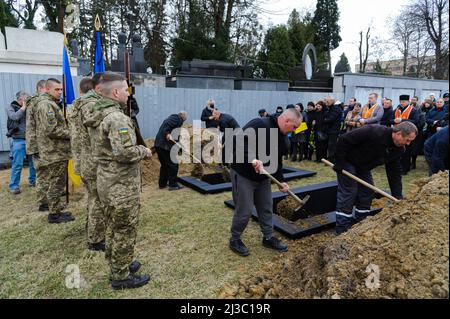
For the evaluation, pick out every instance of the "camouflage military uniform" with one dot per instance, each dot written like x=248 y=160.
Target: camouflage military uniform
x=113 y=143
x=53 y=142
x=85 y=166
x=32 y=148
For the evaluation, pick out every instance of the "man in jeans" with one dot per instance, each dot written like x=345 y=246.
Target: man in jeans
x=16 y=130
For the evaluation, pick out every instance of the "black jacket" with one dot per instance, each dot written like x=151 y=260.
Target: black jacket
x=172 y=122
x=16 y=122
x=332 y=120
x=246 y=169
x=387 y=117
x=367 y=147
x=371 y=146
x=206 y=113
x=227 y=121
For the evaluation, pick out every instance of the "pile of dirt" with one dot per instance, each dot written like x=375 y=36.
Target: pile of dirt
x=150 y=168
x=402 y=252
x=286 y=207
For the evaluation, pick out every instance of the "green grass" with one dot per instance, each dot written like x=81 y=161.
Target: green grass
x=182 y=243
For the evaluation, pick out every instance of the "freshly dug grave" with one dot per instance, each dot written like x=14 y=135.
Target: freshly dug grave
x=402 y=252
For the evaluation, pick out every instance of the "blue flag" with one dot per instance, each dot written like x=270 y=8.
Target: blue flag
x=69 y=93
x=99 y=63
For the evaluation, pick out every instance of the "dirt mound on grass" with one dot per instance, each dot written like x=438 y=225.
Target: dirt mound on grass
x=150 y=168
x=402 y=252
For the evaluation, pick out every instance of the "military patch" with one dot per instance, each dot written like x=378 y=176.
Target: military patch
x=124 y=134
x=51 y=117
x=123 y=131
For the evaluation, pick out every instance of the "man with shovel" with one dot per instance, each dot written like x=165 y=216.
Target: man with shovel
x=358 y=152
x=249 y=187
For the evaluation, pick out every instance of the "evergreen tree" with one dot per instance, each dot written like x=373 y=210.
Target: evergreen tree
x=325 y=22
x=7 y=19
x=276 y=55
x=342 y=65
x=301 y=32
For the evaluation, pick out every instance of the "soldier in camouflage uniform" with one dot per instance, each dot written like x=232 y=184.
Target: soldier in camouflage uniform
x=113 y=143
x=84 y=164
x=31 y=145
x=53 y=142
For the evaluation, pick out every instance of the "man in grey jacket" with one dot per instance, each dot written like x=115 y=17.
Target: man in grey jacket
x=16 y=113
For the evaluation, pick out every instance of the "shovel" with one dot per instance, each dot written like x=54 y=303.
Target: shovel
x=359 y=180
x=181 y=146
x=301 y=202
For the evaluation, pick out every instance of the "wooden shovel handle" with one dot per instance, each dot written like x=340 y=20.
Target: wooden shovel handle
x=359 y=180
x=181 y=146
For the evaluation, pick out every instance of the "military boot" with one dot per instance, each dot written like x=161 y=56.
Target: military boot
x=132 y=281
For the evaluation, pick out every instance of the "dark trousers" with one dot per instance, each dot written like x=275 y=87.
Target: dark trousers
x=169 y=170
x=332 y=142
x=321 y=150
x=350 y=193
x=406 y=159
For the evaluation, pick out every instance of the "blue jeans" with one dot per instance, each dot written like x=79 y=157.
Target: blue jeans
x=19 y=154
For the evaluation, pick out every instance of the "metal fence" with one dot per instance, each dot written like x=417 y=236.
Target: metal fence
x=157 y=103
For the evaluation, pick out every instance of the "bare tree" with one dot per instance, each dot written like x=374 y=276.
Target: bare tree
x=402 y=34
x=433 y=15
x=363 y=63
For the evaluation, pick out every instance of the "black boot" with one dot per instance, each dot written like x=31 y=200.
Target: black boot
x=238 y=247
x=134 y=267
x=43 y=207
x=343 y=222
x=275 y=243
x=57 y=218
x=132 y=281
x=100 y=246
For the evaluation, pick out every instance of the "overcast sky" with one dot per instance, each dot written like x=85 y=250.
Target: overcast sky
x=355 y=16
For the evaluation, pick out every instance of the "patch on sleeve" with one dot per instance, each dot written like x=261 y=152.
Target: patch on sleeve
x=124 y=134
x=51 y=117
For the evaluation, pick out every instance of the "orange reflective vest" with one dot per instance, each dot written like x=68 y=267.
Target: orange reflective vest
x=367 y=113
x=405 y=114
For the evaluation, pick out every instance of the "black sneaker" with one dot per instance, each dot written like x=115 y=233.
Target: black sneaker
x=43 y=207
x=67 y=216
x=134 y=267
x=275 y=243
x=97 y=246
x=238 y=247
x=162 y=186
x=132 y=281
x=175 y=187
x=59 y=218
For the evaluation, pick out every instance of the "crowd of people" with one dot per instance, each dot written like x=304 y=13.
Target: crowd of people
x=99 y=131
x=327 y=119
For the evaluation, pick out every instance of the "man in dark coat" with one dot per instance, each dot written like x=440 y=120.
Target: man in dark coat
x=225 y=121
x=332 y=121
x=358 y=152
x=436 y=151
x=388 y=114
x=163 y=143
x=207 y=116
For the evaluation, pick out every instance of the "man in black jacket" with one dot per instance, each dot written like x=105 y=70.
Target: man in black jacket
x=207 y=115
x=163 y=143
x=332 y=121
x=225 y=121
x=358 y=152
x=388 y=114
x=250 y=188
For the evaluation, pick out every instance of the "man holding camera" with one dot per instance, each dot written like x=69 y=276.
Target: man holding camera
x=16 y=130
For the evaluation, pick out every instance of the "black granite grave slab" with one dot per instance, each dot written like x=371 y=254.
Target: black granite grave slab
x=214 y=183
x=316 y=215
